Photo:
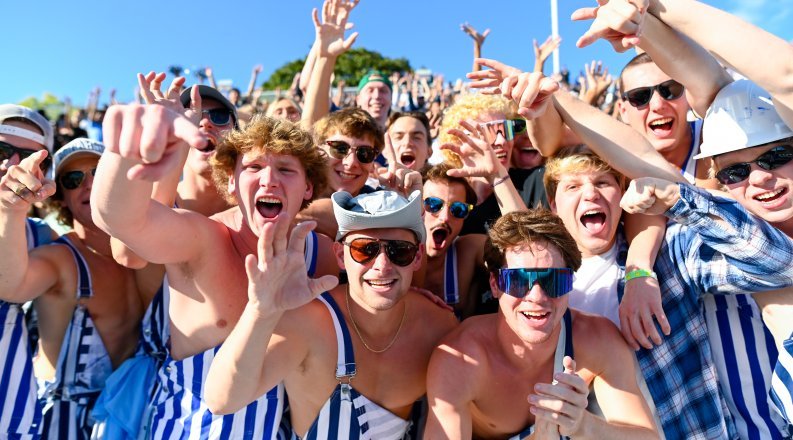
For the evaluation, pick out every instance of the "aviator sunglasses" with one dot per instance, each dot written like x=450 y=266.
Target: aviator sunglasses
x=770 y=160
x=340 y=149
x=218 y=116
x=73 y=179
x=7 y=151
x=400 y=252
x=456 y=209
x=639 y=97
x=555 y=281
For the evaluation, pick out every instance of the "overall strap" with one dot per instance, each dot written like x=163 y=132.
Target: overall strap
x=451 y=292
x=84 y=286
x=312 y=244
x=345 y=358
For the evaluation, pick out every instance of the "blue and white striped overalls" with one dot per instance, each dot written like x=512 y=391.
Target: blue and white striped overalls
x=564 y=347
x=20 y=412
x=83 y=366
x=347 y=414
x=178 y=407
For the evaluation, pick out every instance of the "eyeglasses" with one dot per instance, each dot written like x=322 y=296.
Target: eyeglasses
x=770 y=160
x=519 y=126
x=503 y=127
x=7 y=151
x=400 y=252
x=457 y=209
x=217 y=116
x=641 y=96
x=73 y=179
x=555 y=281
x=340 y=149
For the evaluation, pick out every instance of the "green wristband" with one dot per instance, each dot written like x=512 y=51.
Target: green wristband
x=640 y=273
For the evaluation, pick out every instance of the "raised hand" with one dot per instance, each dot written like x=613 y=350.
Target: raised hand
x=330 y=31
x=150 y=136
x=478 y=38
x=648 y=195
x=277 y=278
x=491 y=79
x=151 y=91
x=396 y=176
x=544 y=50
x=478 y=157
x=642 y=301
x=25 y=184
x=617 y=21
x=562 y=402
x=595 y=83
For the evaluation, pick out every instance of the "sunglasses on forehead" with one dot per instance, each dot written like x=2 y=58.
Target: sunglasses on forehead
x=340 y=149
x=639 y=97
x=7 y=151
x=73 y=179
x=555 y=281
x=770 y=160
x=400 y=252
x=218 y=116
x=503 y=127
x=457 y=209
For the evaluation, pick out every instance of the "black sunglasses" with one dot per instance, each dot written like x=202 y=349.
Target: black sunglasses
x=73 y=179
x=218 y=116
x=519 y=125
x=770 y=160
x=340 y=149
x=7 y=151
x=457 y=209
x=641 y=96
x=400 y=252
x=555 y=281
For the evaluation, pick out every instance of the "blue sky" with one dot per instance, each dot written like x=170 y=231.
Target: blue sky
x=68 y=47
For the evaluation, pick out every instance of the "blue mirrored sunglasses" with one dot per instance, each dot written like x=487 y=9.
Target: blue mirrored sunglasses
x=555 y=281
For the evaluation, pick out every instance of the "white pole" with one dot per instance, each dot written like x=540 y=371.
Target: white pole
x=555 y=33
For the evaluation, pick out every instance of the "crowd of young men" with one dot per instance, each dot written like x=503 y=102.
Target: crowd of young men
x=318 y=278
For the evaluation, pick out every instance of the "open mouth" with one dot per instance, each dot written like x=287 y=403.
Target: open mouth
x=661 y=126
x=439 y=237
x=594 y=220
x=528 y=154
x=269 y=207
x=536 y=316
x=770 y=196
x=381 y=284
x=210 y=147
x=407 y=159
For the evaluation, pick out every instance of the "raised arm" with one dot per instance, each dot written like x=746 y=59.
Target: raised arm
x=759 y=55
x=20 y=187
x=257 y=69
x=544 y=50
x=142 y=144
x=678 y=56
x=479 y=40
x=330 y=43
x=253 y=359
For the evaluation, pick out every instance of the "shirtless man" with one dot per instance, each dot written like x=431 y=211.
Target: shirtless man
x=22 y=133
x=452 y=261
x=89 y=306
x=371 y=330
x=504 y=374
x=272 y=169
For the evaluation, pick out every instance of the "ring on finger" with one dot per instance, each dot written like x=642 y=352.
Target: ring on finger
x=19 y=190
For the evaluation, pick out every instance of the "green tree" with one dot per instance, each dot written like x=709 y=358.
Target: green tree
x=50 y=103
x=350 y=67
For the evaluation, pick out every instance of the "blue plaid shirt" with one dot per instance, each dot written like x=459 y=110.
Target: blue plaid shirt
x=737 y=254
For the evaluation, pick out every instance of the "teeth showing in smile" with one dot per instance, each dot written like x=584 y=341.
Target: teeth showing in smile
x=268 y=200
x=348 y=176
x=659 y=122
x=593 y=212
x=769 y=195
x=534 y=315
x=380 y=283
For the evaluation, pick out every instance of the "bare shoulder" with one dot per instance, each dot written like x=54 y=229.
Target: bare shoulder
x=463 y=352
x=435 y=319
x=326 y=258
x=472 y=242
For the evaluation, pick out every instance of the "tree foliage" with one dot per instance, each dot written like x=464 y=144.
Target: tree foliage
x=350 y=67
x=50 y=103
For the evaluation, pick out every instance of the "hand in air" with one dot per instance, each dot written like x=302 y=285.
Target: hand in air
x=25 y=184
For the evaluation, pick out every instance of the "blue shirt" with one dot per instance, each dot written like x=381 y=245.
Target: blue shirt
x=738 y=254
